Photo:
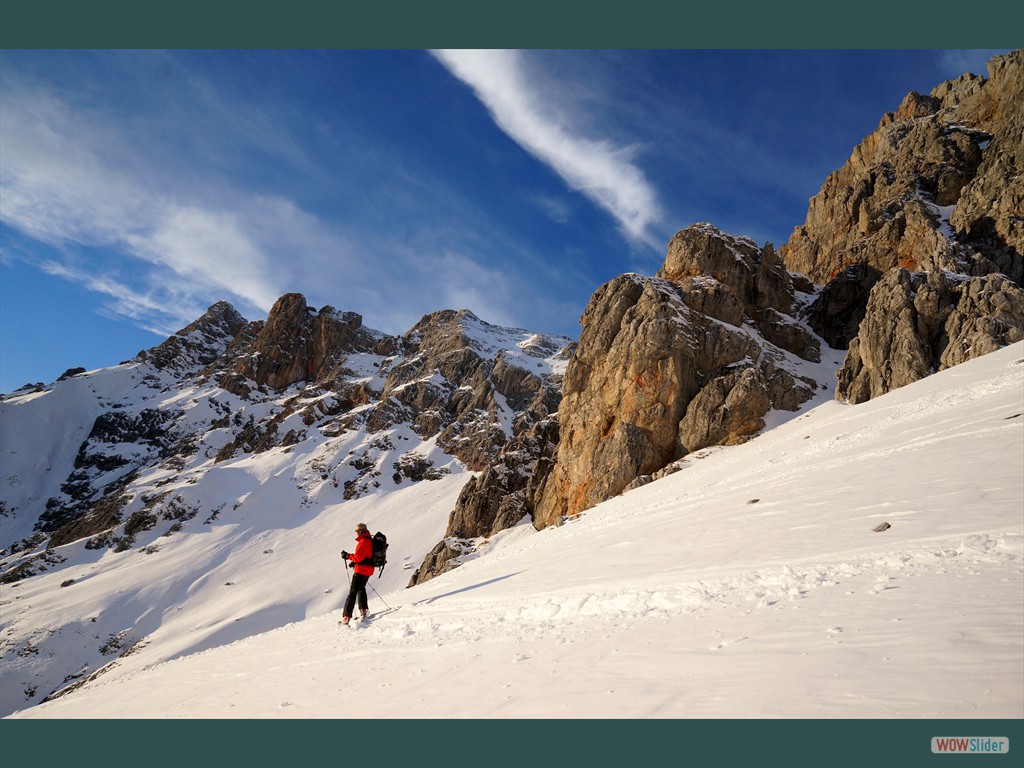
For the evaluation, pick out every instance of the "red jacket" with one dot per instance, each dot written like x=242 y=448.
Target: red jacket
x=364 y=551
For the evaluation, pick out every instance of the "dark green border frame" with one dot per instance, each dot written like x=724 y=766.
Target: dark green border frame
x=804 y=24
x=689 y=743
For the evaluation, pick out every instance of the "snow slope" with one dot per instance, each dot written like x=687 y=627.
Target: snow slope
x=218 y=527
x=749 y=584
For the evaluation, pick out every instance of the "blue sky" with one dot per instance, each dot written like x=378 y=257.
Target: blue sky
x=139 y=187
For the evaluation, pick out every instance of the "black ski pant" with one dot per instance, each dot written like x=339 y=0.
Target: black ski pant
x=357 y=590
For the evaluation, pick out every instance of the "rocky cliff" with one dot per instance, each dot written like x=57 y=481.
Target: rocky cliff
x=694 y=356
x=936 y=186
x=909 y=258
x=918 y=237
x=494 y=500
x=917 y=323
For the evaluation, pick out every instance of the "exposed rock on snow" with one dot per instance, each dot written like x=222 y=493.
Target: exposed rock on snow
x=921 y=322
x=197 y=344
x=937 y=191
x=299 y=344
x=496 y=499
x=653 y=378
x=468 y=384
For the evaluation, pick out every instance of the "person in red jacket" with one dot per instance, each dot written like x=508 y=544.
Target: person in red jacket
x=359 y=561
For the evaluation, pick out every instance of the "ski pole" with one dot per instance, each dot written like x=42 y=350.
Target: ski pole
x=378 y=596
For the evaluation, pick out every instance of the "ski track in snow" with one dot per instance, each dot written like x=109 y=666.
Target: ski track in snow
x=629 y=653
x=564 y=616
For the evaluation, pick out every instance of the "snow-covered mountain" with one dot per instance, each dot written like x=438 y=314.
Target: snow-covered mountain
x=755 y=582
x=186 y=469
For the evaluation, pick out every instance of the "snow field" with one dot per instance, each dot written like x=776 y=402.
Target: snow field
x=749 y=584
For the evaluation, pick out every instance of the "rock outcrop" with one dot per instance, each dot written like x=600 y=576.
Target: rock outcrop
x=938 y=186
x=670 y=364
x=490 y=406
x=199 y=343
x=300 y=344
x=494 y=500
x=455 y=382
x=754 y=277
x=918 y=237
x=918 y=323
x=838 y=309
x=989 y=213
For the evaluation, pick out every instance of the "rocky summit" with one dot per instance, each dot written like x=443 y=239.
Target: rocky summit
x=933 y=199
x=936 y=186
x=909 y=259
x=666 y=365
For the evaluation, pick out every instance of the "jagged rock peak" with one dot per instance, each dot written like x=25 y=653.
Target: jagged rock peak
x=655 y=378
x=992 y=102
x=755 y=275
x=936 y=186
x=221 y=314
x=199 y=343
x=448 y=330
x=298 y=343
x=473 y=384
x=919 y=235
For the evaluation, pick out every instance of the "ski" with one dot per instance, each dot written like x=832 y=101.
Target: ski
x=369 y=618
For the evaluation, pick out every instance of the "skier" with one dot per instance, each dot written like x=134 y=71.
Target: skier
x=359 y=561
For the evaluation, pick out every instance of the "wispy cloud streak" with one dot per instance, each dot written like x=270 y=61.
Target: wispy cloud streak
x=603 y=172
x=58 y=188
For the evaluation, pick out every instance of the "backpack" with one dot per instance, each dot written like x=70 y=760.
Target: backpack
x=380 y=551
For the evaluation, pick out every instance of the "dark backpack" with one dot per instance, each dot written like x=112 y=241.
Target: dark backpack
x=380 y=551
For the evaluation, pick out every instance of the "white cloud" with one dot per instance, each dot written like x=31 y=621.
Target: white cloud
x=54 y=186
x=159 y=232
x=69 y=180
x=210 y=248
x=554 y=208
x=596 y=168
x=151 y=312
x=472 y=286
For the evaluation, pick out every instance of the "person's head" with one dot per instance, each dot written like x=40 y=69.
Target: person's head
x=361 y=529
